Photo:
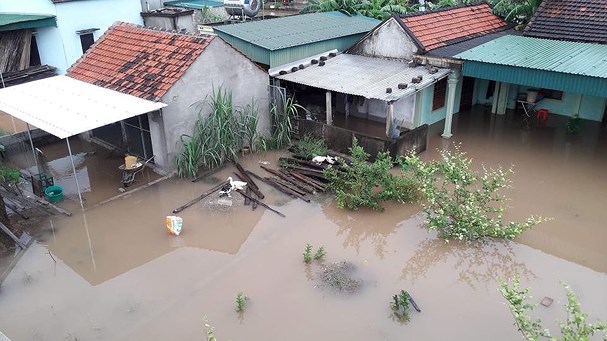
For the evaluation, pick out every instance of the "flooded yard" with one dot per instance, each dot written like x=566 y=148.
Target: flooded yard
x=112 y=272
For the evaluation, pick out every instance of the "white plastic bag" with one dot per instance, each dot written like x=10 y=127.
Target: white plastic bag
x=174 y=224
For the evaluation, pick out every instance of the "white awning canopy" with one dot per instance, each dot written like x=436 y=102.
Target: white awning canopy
x=64 y=106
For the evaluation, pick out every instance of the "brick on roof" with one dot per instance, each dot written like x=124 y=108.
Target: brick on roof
x=138 y=61
x=452 y=25
x=573 y=20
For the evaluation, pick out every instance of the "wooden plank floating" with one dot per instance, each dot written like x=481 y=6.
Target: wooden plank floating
x=250 y=183
x=290 y=180
x=259 y=202
x=12 y=236
x=209 y=172
x=284 y=189
x=202 y=196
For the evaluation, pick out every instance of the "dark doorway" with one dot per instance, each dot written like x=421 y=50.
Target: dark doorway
x=467 y=98
x=34 y=54
x=129 y=136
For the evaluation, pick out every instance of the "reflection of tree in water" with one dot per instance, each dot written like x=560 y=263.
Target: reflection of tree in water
x=477 y=262
x=367 y=225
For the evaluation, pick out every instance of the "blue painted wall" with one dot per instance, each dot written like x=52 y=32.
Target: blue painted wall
x=430 y=116
x=60 y=46
x=590 y=107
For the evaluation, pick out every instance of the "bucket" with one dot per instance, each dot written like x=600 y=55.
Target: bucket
x=130 y=161
x=53 y=193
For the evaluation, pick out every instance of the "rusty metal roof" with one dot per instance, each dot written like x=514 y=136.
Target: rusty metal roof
x=363 y=76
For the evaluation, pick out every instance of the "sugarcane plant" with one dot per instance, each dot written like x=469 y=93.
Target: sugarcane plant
x=218 y=136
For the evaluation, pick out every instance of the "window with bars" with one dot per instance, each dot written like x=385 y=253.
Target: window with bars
x=440 y=91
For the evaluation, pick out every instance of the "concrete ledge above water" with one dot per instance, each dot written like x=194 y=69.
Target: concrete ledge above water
x=340 y=139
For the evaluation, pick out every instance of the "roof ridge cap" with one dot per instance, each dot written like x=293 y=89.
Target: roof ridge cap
x=444 y=9
x=161 y=29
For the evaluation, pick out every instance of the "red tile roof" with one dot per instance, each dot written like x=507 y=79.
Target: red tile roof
x=138 y=61
x=448 y=26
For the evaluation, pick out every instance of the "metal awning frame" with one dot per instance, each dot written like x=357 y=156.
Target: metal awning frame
x=85 y=96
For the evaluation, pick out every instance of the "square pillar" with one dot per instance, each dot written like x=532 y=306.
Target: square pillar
x=389 y=119
x=329 y=109
x=454 y=78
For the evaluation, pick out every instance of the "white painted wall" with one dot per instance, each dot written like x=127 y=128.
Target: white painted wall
x=60 y=46
x=28 y=6
x=389 y=40
x=219 y=64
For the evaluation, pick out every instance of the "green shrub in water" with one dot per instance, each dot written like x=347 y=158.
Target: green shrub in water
x=461 y=203
x=400 y=304
x=307 y=255
x=367 y=184
x=320 y=253
x=574 y=328
x=240 y=302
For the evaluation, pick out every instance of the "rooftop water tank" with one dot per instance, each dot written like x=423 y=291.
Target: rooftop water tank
x=248 y=8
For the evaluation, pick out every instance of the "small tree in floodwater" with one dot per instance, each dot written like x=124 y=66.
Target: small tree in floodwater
x=573 y=329
x=368 y=184
x=461 y=203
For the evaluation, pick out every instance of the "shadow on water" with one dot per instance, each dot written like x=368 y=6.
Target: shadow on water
x=364 y=225
x=477 y=262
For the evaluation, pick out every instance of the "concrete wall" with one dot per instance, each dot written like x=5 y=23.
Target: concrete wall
x=60 y=46
x=340 y=139
x=177 y=23
x=377 y=110
x=219 y=64
x=389 y=40
x=150 y=5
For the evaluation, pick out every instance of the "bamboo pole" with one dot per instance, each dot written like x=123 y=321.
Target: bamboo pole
x=259 y=202
x=202 y=196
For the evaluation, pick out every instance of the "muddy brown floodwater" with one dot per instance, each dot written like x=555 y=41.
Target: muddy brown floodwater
x=118 y=275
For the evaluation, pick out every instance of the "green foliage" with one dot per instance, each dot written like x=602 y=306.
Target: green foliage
x=218 y=136
x=307 y=255
x=574 y=125
x=281 y=115
x=8 y=174
x=517 y=12
x=574 y=328
x=461 y=203
x=240 y=302
x=400 y=304
x=208 y=16
x=368 y=184
x=320 y=253
x=310 y=146
x=379 y=9
x=248 y=123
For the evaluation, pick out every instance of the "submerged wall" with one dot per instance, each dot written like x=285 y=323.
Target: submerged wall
x=340 y=139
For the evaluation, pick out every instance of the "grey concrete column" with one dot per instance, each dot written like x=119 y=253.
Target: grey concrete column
x=452 y=81
x=389 y=118
x=329 y=109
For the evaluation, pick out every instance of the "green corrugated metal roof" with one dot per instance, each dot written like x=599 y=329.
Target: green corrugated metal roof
x=19 y=21
x=194 y=4
x=280 y=33
x=542 y=54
